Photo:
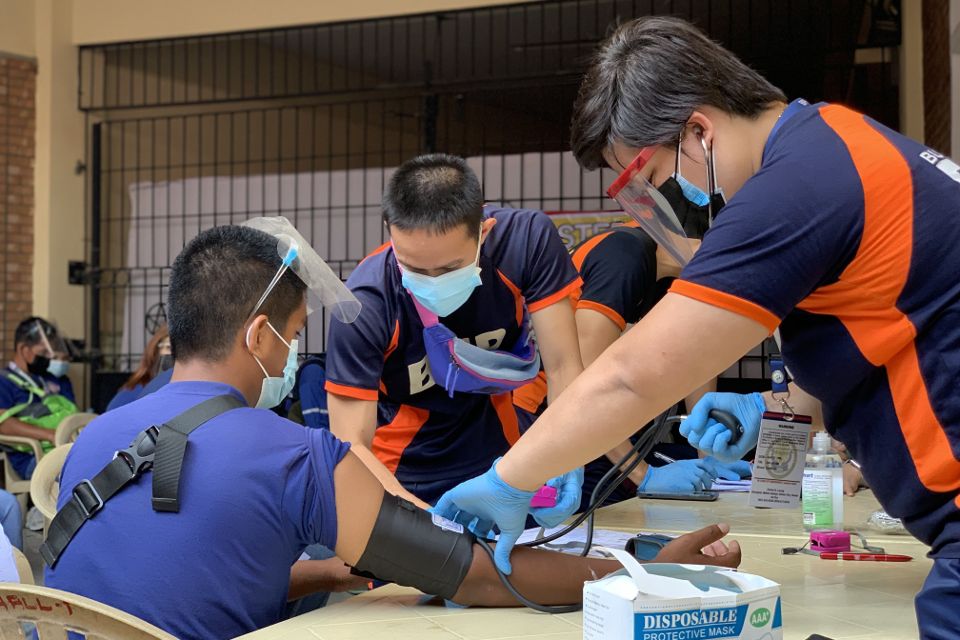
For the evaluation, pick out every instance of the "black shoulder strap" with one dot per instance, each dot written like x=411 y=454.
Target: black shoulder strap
x=172 y=445
x=89 y=496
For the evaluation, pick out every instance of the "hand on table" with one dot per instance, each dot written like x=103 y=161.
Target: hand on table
x=682 y=476
x=704 y=546
x=852 y=479
x=729 y=470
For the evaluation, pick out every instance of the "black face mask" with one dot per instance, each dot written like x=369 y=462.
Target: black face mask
x=39 y=365
x=694 y=218
x=166 y=362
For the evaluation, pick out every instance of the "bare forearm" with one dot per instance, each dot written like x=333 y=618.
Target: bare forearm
x=14 y=427
x=389 y=481
x=639 y=376
x=542 y=576
x=311 y=576
x=556 y=329
x=355 y=421
x=559 y=380
x=617 y=454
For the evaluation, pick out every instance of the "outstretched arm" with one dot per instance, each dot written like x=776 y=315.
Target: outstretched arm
x=545 y=577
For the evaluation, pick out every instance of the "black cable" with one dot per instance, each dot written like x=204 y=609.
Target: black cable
x=543 y=608
x=645 y=443
x=641 y=449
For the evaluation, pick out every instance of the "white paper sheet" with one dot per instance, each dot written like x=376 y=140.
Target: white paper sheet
x=573 y=542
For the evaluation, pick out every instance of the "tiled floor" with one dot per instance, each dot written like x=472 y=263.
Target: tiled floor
x=839 y=600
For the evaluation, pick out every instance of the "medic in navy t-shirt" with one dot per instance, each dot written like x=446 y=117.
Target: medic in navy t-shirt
x=425 y=435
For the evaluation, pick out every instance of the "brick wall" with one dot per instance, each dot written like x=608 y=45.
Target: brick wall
x=17 y=147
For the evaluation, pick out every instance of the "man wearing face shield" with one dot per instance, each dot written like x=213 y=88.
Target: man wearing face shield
x=255 y=489
x=835 y=228
x=35 y=392
x=420 y=383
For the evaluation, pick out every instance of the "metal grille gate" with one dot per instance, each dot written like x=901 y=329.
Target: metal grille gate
x=308 y=122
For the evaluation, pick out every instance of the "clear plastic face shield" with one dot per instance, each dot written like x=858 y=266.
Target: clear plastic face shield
x=56 y=348
x=645 y=204
x=324 y=288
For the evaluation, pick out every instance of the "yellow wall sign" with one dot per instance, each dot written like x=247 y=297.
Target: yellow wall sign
x=576 y=226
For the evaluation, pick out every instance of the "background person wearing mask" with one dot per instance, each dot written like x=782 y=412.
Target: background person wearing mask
x=837 y=229
x=35 y=392
x=157 y=358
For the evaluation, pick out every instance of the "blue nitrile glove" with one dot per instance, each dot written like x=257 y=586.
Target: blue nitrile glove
x=486 y=500
x=729 y=470
x=569 y=488
x=682 y=476
x=708 y=435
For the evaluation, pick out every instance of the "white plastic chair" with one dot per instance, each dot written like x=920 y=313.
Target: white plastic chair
x=45 y=484
x=70 y=427
x=12 y=480
x=55 y=612
x=24 y=570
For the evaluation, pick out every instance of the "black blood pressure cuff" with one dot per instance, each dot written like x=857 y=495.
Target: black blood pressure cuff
x=413 y=548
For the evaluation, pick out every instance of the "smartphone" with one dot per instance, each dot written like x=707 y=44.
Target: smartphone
x=697 y=496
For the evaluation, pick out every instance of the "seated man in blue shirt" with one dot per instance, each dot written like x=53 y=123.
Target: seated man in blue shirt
x=256 y=489
x=38 y=370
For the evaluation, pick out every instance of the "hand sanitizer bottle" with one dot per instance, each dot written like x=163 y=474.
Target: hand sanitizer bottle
x=822 y=488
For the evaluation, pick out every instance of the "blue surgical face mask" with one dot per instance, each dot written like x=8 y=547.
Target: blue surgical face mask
x=694 y=207
x=275 y=388
x=444 y=294
x=692 y=192
x=58 y=368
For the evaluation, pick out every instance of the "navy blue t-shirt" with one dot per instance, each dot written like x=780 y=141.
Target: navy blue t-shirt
x=847 y=239
x=424 y=435
x=256 y=489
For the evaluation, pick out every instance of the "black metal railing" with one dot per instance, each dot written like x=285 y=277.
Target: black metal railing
x=308 y=122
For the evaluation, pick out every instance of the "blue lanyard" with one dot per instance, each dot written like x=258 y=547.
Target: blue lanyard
x=778 y=384
x=778 y=375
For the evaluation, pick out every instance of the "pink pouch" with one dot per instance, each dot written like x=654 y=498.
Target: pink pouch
x=831 y=541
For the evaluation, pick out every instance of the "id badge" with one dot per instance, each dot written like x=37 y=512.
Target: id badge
x=780 y=458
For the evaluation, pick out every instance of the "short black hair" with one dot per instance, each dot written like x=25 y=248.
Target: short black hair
x=215 y=283
x=648 y=78
x=27 y=333
x=437 y=192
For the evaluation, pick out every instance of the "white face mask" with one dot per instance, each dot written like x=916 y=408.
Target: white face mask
x=275 y=388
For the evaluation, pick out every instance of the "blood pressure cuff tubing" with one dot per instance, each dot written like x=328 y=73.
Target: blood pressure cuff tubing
x=413 y=548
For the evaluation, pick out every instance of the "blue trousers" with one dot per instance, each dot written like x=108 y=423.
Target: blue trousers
x=22 y=463
x=938 y=603
x=11 y=519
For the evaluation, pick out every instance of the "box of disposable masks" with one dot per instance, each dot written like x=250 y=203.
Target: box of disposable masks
x=680 y=602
